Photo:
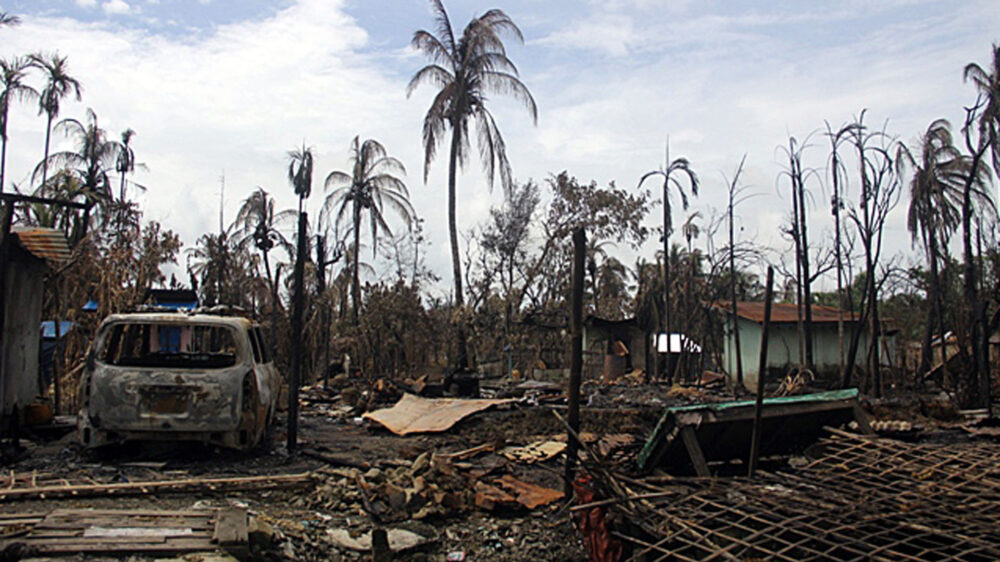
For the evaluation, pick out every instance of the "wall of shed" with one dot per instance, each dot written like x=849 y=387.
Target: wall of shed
x=21 y=335
x=597 y=339
x=783 y=349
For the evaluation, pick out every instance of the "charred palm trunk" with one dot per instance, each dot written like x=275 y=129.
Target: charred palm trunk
x=806 y=281
x=462 y=361
x=977 y=373
x=732 y=287
x=839 y=263
x=666 y=280
x=355 y=275
x=3 y=155
x=45 y=160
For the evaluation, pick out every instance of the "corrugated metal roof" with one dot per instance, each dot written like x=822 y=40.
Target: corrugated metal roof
x=782 y=312
x=45 y=243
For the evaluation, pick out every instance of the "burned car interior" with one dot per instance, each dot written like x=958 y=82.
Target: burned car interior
x=163 y=345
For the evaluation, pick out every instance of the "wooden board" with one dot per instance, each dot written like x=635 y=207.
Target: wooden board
x=120 y=532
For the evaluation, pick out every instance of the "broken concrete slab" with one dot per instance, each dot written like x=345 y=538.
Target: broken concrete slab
x=413 y=414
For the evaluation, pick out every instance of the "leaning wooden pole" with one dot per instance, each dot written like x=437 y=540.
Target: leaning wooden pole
x=762 y=369
x=576 y=355
x=297 y=308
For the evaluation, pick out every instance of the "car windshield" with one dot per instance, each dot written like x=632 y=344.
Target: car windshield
x=188 y=346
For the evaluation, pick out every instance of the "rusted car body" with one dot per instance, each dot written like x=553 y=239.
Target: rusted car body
x=177 y=377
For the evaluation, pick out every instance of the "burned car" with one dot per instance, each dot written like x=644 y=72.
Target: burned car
x=179 y=377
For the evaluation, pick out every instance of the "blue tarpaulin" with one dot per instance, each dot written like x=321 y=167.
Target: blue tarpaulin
x=49 y=328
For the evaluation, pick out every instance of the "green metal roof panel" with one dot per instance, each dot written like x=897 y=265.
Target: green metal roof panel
x=666 y=428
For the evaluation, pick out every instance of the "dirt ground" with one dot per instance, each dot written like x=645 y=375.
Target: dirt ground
x=300 y=519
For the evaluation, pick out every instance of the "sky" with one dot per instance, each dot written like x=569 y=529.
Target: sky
x=224 y=89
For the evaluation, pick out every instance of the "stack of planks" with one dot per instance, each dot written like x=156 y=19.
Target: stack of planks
x=124 y=532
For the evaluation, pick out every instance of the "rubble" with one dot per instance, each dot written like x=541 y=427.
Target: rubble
x=856 y=496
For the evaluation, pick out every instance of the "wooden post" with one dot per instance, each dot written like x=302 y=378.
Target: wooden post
x=8 y=217
x=576 y=355
x=755 y=437
x=297 y=306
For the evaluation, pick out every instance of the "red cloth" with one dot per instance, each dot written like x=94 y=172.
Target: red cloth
x=596 y=537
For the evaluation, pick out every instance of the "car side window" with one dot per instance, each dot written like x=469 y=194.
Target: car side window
x=265 y=351
x=255 y=346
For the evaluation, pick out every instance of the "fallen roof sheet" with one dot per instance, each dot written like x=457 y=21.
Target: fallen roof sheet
x=723 y=429
x=413 y=414
x=45 y=243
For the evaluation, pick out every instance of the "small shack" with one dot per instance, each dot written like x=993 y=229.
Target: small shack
x=783 y=339
x=29 y=251
x=612 y=348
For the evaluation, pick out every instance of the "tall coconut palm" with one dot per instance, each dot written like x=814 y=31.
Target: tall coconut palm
x=371 y=185
x=255 y=222
x=671 y=174
x=300 y=171
x=988 y=84
x=126 y=164
x=58 y=85
x=936 y=190
x=465 y=70
x=92 y=159
x=12 y=74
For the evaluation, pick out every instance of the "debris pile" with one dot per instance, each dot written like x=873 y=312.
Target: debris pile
x=432 y=486
x=856 y=496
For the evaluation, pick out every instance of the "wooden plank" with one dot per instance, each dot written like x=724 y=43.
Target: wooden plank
x=105 y=522
x=694 y=451
x=22 y=521
x=231 y=526
x=152 y=487
x=176 y=546
x=66 y=512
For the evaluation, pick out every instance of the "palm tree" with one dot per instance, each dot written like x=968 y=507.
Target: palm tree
x=94 y=157
x=371 y=184
x=936 y=191
x=58 y=84
x=256 y=224
x=7 y=20
x=466 y=69
x=988 y=84
x=679 y=166
x=12 y=74
x=300 y=172
x=125 y=164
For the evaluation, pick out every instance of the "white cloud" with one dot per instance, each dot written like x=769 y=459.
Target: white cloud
x=238 y=96
x=86 y=3
x=116 y=7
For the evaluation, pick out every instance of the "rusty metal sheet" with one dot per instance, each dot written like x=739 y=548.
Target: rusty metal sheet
x=45 y=243
x=784 y=313
x=413 y=414
x=529 y=495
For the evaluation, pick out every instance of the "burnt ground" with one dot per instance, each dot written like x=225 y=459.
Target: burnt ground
x=362 y=469
x=383 y=461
